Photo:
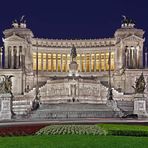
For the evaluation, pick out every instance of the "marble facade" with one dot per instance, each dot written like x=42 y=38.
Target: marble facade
x=25 y=56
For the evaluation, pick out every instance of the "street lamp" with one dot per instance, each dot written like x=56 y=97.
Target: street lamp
x=110 y=93
x=36 y=101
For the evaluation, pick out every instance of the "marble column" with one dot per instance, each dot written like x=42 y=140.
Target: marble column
x=95 y=63
x=90 y=65
x=105 y=62
x=17 y=57
x=134 y=58
x=140 y=58
x=129 y=57
x=41 y=61
x=100 y=62
x=137 y=57
x=133 y=62
x=46 y=61
x=61 y=63
x=85 y=63
x=12 y=57
x=80 y=62
x=51 y=62
x=20 y=59
x=66 y=63
x=125 y=57
x=56 y=62
x=6 y=56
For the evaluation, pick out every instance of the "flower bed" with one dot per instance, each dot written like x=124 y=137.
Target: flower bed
x=71 y=129
x=20 y=130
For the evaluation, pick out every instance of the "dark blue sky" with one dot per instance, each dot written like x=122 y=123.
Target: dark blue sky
x=74 y=19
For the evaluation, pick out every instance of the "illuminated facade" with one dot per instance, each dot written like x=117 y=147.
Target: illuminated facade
x=87 y=62
x=23 y=53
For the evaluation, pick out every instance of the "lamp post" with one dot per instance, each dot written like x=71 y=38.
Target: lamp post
x=23 y=72
x=110 y=94
x=146 y=59
x=36 y=101
x=1 y=49
x=37 y=88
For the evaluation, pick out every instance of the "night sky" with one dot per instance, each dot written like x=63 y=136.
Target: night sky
x=74 y=19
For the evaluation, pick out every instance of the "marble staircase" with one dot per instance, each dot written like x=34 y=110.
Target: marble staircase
x=73 y=110
x=84 y=106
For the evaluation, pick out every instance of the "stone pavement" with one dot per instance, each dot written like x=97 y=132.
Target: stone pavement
x=74 y=121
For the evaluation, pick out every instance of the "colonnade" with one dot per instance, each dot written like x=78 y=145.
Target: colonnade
x=132 y=57
x=13 y=57
x=87 y=62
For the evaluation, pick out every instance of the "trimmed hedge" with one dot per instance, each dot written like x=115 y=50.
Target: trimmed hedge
x=124 y=130
x=71 y=130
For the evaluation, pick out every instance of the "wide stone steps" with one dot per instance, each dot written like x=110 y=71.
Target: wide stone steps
x=21 y=107
x=46 y=114
x=73 y=110
x=126 y=105
x=75 y=107
x=57 y=101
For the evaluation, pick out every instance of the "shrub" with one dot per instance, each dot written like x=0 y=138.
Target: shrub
x=124 y=130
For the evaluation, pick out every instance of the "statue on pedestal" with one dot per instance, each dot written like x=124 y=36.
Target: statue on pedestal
x=73 y=53
x=73 y=66
x=139 y=98
x=6 y=97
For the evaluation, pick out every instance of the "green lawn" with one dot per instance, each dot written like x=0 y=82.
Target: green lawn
x=73 y=141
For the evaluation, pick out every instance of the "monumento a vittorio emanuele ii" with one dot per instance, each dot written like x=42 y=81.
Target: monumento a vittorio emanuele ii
x=51 y=78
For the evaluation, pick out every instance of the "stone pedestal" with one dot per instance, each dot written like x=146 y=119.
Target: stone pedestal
x=5 y=106
x=140 y=105
x=73 y=69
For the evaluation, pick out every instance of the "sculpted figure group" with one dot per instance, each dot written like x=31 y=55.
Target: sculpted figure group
x=5 y=83
x=140 y=84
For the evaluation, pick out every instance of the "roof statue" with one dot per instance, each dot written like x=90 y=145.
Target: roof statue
x=19 y=24
x=22 y=18
x=15 y=23
x=6 y=84
x=73 y=52
x=127 y=22
x=139 y=85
